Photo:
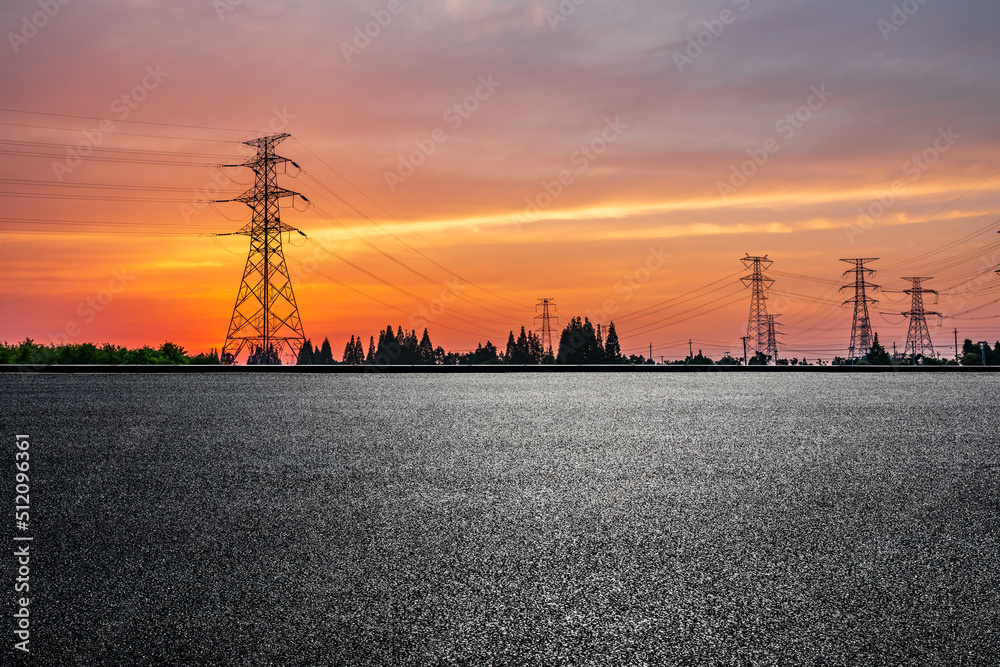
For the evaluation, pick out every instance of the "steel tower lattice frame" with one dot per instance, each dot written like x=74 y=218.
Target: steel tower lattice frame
x=862 y=335
x=757 y=324
x=266 y=315
x=545 y=330
x=919 y=335
x=772 y=337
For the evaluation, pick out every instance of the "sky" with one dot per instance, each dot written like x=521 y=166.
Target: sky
x=464 y=159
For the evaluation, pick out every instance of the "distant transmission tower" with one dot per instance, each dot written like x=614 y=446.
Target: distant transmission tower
x=772 y=337
x=918 y=338
x=757 y=325
x=545 y=330
x=861 y=331
x=265 y=318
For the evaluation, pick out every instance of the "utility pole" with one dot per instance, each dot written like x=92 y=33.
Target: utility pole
x=757 y=325
x=957 y=358
x=690 y=349
x=545 y=330
x=918 y=338
x=982 y=350
x=266 y=316
x=861 y=330
x=745 y=339
x=651 y=353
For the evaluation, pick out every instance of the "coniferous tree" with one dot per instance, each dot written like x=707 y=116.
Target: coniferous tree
x=522 y=351
x=511 y=353
x=371 y=350
x=411 y=348
x=612 y=348
x=354 y=352
x=388 y=348
x=325 y=353
x=877 y=355
x=426 y=349
x=535 y=351
x=305 y=357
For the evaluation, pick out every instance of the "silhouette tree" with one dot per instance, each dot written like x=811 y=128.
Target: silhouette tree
x=354 y=352
x=484 y=354
x=305 y=357
x=877 y=355
x=427 y=355
x=174 y=354
x=325 y=356
x=700 y=360
x=612 y=348
x=511 y=354
x=578 y=343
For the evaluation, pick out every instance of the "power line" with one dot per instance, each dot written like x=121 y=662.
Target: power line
x=132 y=122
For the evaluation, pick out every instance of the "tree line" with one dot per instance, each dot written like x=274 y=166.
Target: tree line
x=580 y=342
x=28 y=352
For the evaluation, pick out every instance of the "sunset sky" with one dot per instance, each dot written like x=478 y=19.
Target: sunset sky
x=687 y=134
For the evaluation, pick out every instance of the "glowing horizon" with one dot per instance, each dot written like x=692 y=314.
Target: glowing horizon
x=519 y=151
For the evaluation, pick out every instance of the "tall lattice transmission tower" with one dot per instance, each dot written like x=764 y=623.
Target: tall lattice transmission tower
x=772 y=337
x=548 y=307
x=757 y=325
x=918 y=338
x=861 y=331
x=265 y=318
